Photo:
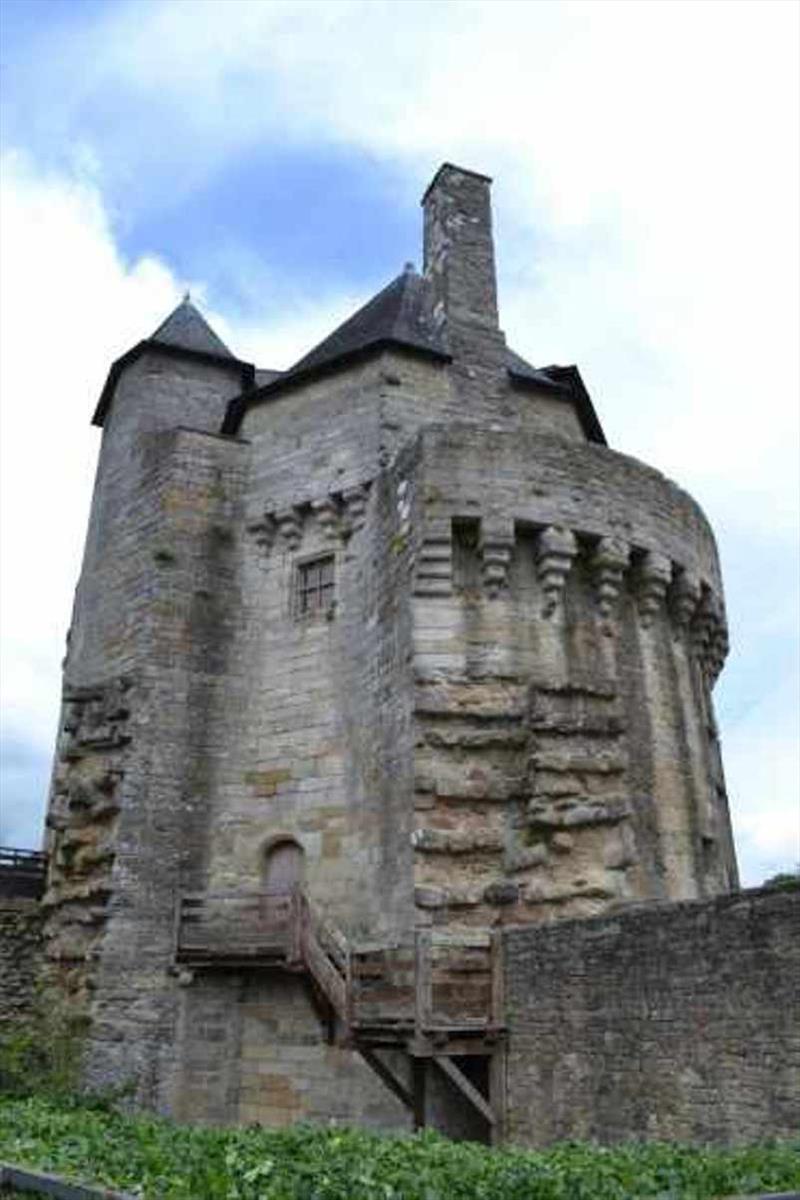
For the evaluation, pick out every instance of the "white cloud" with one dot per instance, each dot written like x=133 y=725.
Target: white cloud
x=69 y=305
x=762 y=756
x=646 y=162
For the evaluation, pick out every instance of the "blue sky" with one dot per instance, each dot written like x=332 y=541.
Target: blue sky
x=271 y=154
x=304 y=210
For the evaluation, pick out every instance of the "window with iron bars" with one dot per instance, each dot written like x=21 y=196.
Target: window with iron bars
x=314 y=587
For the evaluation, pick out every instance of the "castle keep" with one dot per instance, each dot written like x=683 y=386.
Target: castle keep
x=371 y=661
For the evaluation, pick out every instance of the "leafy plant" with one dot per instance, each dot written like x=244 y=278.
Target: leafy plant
x=784 y=880
x=41 y=1056
x=159 y=1160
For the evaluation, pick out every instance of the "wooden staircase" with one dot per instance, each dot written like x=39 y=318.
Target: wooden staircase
x=436 y=998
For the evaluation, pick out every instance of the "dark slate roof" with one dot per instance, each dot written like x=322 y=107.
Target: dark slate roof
x=519 y=368
x=187 y=329
x=401 y=315
x=184 y=334
x=565 y=382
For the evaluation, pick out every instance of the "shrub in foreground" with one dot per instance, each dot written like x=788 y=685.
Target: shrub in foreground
x=158 y=1160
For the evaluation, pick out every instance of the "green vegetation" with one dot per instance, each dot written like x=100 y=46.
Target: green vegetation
x=784 y=881
x=41 y=1056
x=159 y=1160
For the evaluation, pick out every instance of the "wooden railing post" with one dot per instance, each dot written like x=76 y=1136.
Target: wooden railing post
x=350 y=1000
x=423 y=981
x=498 y=979
x=297 y=919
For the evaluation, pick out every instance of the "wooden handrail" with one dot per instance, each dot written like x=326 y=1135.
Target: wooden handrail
x=440 y=981
x=202 y=897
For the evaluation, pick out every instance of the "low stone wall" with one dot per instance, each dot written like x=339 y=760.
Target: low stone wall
x=20 y=956
x=666 y=1021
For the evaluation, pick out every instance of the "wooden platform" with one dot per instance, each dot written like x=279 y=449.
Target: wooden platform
x=436 y=997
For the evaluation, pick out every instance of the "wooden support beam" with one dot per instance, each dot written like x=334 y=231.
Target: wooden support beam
x=497 y=960
x=424 y=982
x=498 y=1093
x=387 y=1076
x=419 y=1068
x=467 y=1089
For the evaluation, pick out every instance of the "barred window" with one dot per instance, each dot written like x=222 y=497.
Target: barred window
x=314 y=587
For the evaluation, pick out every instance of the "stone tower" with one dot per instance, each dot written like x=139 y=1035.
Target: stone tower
x=392 y=633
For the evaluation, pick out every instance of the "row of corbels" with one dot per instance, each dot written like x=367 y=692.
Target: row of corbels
x=339 y=515
x=658 y=583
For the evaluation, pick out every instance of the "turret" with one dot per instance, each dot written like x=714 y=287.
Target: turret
x=180 y=377
x=146 y=649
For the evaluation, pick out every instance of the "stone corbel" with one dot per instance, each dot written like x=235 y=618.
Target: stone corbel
x=653 y=578
x=496 y=548
x=326 y=512
x=718 y=650
x=554 y=556
x=710 y=636
x=686 y=594
x=355 y=507
x=702 y=627
x=608 y=564
x=263 y=532
x=290 y=527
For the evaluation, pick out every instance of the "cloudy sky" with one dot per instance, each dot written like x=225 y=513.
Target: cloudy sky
x=270 y=155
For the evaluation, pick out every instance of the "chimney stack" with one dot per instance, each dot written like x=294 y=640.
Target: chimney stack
x=458 y=248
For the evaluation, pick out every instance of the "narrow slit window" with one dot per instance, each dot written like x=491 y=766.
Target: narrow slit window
x=314 y=587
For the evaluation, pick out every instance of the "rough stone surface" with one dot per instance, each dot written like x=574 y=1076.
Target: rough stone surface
x=566 y=757
x=667 y=1021
x=20 y=957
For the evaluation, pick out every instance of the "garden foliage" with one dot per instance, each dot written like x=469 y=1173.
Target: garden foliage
x=159 y=1160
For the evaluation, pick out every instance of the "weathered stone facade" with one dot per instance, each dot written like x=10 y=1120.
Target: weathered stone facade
x=671 y=1021
x=495 y=711
x=20 y=957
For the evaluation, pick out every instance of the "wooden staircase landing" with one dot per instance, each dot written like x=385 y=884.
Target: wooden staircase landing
x=435 y=997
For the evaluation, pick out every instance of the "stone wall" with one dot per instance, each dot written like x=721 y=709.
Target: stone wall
x=568 y=627
x=139 y=742
x=20 y=956
x=255 y=1050
x=668 y=1021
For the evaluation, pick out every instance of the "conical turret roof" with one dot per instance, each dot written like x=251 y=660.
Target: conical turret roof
x=185 y=332
x=187 y=329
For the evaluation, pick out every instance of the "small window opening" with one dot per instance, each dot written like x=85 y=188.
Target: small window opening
x=314 y=590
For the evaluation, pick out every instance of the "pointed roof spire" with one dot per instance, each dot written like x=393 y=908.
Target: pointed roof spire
x=187 y=329
x=184 y=332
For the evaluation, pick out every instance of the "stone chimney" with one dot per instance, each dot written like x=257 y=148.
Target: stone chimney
x=459 y=263
x=459 y=250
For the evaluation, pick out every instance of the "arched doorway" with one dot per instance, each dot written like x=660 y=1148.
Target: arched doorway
x=283 y=866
